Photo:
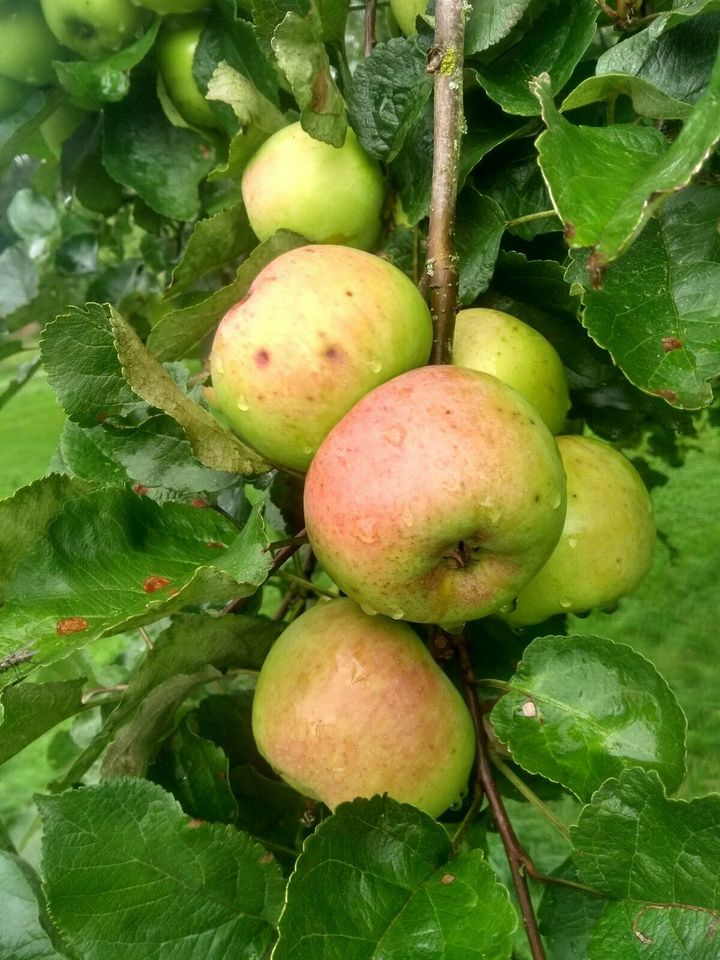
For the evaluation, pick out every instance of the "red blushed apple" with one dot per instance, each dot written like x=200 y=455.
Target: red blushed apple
x=348 y=705
x=437 y=497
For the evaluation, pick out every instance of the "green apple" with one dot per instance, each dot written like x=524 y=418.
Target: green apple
x=172 y=6
x=437 y=497
x=406 y=12
x=12 y=95
x=320 y=327
x=175 y=49
x=500 y=344
x=94 y=28
x=60 y=125
x=27 y=47
x=326 y=194
x=348 y=705
x=607 y=542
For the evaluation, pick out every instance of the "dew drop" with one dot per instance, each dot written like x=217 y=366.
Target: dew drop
x=556 y=501
x=219 y=365
x=407 y=518
x=365 y=530
x=375 y=365
x=395 y=435
x=307 y=450
x=456 y=804
x=370 y=611
x=397 y=614
x=572 y=542
x=565 y=603
x=242 y=403
x=510 y=607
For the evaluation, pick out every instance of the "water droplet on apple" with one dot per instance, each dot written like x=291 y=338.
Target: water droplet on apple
x=370 y=611
x=375 y=365
x=556 y=501
x=395 y=435
x=365 y=530
x=307 y=450
x=565 y=603
x=407 y=518
x=219 y=365
x=510 y=607
x=572 y=542
x=397 y=614
x=456 y=804
x=242 y=403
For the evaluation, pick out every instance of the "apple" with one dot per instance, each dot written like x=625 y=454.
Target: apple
x=348 y=705
x=12 y=95
x=172 y=6
x=175 y=49
x=607 y=542
x=326 y=194
x=94 y=28
x=512 y=351
x=319 y=328
x=406 y=12
x=437 y=497
x=28 y=47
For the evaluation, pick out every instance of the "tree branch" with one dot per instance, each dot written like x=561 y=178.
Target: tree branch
x=370 y=14
x=519 y=861
x=445 y=61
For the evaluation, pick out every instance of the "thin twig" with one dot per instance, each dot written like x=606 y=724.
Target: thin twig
x=445 y=62
x=529 y=217
x=307 y=585
x=530 y=795
x=281 y=557
x=519 y=861
x=370 y=14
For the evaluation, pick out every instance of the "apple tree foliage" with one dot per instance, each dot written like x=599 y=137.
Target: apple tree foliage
x=589 y=207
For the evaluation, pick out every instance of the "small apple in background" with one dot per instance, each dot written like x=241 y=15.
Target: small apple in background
x=175 y=50
x=172 y=6
x=326 y=194
x=320 y=327
x=406 y=12
x=348 y=705
x=12 y=95
x=607 y=542
x=500 y=344
x=94 y=28
x=437 y=497
x=27 y=47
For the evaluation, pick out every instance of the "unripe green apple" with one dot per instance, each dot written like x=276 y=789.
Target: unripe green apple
x=172 y=6
x=27 y=47
x=607 y=542
x=176 y=48
x=348 y=705
x=320 y=327
x=94 y=28
x=12 y=95
x=437 y=497
x=500 y=344
x=406 y=12
x=326 y=194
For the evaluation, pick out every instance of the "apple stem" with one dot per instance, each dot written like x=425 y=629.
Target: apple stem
x=370 y=14
x=520 y=862
x=445 y=62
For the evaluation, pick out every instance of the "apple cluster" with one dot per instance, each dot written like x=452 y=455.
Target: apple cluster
x=432 y=494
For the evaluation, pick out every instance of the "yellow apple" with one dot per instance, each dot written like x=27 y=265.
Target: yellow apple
x=607 y=542
x=500 y=344
x=320 y=327
x=348 y=705
x=326 y=194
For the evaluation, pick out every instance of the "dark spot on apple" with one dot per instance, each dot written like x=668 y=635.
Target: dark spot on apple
x=349 y=293
x=537 y=498
x=262 y=358
x=333 y=353
x=81 y=28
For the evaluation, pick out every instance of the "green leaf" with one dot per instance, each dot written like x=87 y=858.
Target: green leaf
x=25 y=516
x=479 y=229
x=657 y=310
x=258 y=116
x=196 y=772
x=126 y=872
x=213 y=446
x=32 y=217
x=156 y=455
x=489 y=22
x=389 y=92
x=82 y=366
x=22 y=935
x=580 y=166
x=554 y=45
x=633 y=842
x=164 y=164
x=581 y=709
x=213 y=243
x=567 y=917
x=106 y=80
x=627 y=931
x=112 y=560
x=16 y=129
x=647 y=100
x=31 y=709
x=378 y=879
x=297 y=43
x=677 y=61
x=20 y=283
x=231 y=40
x=179 y=332
x=411 y=172
x=519 y=189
